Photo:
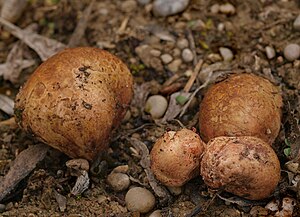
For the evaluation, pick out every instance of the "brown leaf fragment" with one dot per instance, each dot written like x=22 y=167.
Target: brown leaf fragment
x=158 y=189
x=81 y=26
x=6 y=104
x=24 y=163
x=43 y=46
x=82 y=183
x=61 y=200
x=15 y=63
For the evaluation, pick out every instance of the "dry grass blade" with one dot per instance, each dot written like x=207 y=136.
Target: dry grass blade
x=24 y=163
x=174 y=107
x=81 y=26
x=43 y=46
x=159 y=190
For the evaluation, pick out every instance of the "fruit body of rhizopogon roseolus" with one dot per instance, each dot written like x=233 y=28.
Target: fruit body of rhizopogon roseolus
x=75 y=99
x=245 y=166
x=175 y=157
x=242 y=105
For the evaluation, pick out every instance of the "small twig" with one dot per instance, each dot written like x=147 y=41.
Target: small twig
x=123 y=26
x=159 y=190
x=192 y=46
x=81 y=26
x=171 y=80
x=184 y=108
x=193 y=77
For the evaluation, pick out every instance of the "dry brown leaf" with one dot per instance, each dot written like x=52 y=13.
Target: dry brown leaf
x=158 y=189
x=43 y=46
x=24 y=163
x=15 y=63
x=12 y=10
x=6 y=104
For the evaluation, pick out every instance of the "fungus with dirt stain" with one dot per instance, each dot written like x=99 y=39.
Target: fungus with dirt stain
x=75 y=99
x=175 y=157
x=245 y=166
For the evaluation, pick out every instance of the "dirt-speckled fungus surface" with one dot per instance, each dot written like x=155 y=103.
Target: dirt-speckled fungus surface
x=245 y=166
x=73 y=101
x=242 y=105
x=175 y=157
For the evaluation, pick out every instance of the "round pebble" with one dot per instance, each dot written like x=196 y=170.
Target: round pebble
x=156 y=213
x=156 y=106
x=118 y=181
x=169 y=7
x=187 y=55
x=296 y=24
x=175 y=190
x=182 y=43
x=174 y=65
x=215 y=8
x=139 y=199
x=226 y=54
x=166 y=58
x=291 y=52
x=155 y=52
x=270 y=52
x=227 y=8
x=128 y=6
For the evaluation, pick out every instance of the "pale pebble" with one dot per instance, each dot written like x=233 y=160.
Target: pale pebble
x=166 y=8
x=291 y=52
x=187 y=55
x=156 y=213
x=227 y=8
x=270 y=52
x=166 y=58
x=182 y=43
x=118 y=181
x=156 y=106
x=139 y=199
x=226 y=53
x=155 y=52
x=174 y=65
x=215 y=8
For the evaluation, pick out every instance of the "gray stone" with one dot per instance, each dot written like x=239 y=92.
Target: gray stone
x=291 y=52
x=118 y=181
x=227 y=8
x=174 y=65
x=182 y=43
x=270 y=52
x=166 y=58
x=187 y=55
x=166 y=8
x=140 y=200
x=226 y=53
x=156 y=213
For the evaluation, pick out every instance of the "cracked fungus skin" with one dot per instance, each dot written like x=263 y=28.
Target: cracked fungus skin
x=242 y=105
x=75 y=99
x=245 y=166
x=175 y=157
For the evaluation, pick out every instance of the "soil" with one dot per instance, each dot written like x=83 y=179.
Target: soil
x=122 y=27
